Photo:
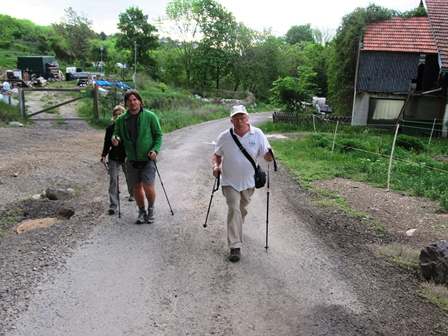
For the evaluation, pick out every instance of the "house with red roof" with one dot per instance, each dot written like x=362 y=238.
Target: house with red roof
x=402 y=71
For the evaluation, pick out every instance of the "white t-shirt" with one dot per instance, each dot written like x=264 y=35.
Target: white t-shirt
x=237 y=171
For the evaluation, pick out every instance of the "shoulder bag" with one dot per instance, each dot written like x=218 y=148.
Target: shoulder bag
x=260 y=175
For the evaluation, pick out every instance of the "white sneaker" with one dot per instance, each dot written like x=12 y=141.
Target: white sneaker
x=141 y=217
x=151 y=215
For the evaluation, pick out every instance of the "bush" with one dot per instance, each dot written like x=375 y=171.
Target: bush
x=162 y=87
x=410 y=143
x=5 y=44
x=10 y=113
x=346 y=145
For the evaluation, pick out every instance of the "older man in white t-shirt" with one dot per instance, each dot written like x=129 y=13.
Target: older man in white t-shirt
x=237 y=172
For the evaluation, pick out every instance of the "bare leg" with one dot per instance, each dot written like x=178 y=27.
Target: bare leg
x=150 y=192
x=139 y=195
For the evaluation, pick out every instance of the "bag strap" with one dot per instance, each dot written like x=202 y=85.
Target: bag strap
x=240 y=146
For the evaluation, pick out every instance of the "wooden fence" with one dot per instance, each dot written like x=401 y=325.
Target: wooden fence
x=299 y=118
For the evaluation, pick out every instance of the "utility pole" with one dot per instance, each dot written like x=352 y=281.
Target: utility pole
x=135 y=65
x=101 y=64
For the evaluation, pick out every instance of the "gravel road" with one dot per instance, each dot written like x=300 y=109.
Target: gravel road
x=104 y=275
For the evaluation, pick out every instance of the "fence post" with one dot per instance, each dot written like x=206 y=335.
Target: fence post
x=95 y=102
x=432 y=130
x=391 y=157
x=21 y=94
x=334 y=138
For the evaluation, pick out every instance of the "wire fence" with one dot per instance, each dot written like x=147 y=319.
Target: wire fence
x=422 y=130
x=405 y=150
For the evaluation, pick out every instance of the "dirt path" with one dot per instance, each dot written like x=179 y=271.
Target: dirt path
x=96 y=274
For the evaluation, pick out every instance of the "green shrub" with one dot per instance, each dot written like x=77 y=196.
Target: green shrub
x=346 y=145
x=410 y=143
x=5 y=44
x=162 y=87
x=10 y=113
x=320 y=141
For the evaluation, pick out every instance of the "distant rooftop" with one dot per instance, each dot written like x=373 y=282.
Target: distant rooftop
x=401 y=35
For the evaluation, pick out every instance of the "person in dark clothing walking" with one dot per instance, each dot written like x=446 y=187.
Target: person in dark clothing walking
x=116 y=158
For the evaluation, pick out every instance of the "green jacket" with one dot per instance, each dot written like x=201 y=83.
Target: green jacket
x=149 y=135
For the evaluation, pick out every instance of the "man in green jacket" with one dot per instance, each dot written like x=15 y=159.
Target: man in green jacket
x=140 y=132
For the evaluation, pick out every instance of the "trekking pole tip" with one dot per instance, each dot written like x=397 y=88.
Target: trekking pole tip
x=204 y=225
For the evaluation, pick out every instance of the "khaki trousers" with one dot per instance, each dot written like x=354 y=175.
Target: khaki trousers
x=237 y=203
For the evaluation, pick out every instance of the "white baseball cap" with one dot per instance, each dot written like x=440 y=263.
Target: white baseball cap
x=238 y=109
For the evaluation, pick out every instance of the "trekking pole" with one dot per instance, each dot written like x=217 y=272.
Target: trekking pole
x=118 y=187
x=267 y=197
x=267 y=211
x=215 y=187
x=157 y=170
x=105 y=165
x=273 y=158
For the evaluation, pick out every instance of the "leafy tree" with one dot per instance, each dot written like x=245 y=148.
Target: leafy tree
x=171 y=67
x=182 y=32
x=260 y=65
x=343 y=54
x=135 y=29
x=41 y=40
x=297 y=34
x=72 y=36
x=309 y=54
x=216 y=53
x=323 y=35
x=291 y=92
x=318 y=55
x=244 y=44
x=419 y=11
x=21 y=34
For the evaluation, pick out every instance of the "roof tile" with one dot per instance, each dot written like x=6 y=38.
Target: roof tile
x=400 y=35
x=438 y=17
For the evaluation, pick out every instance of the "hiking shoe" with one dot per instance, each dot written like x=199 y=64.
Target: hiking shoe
x=141 y=217
x=112 y=210
x=151 y=214
x=235 y=254
x=131 y=198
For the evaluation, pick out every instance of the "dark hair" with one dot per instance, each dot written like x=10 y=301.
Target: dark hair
x=128 y=93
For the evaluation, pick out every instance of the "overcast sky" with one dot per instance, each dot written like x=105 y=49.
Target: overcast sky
x=257 y=14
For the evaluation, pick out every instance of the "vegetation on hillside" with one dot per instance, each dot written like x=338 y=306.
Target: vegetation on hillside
x=198 y=45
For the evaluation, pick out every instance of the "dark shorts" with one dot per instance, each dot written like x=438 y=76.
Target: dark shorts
x=147 y=174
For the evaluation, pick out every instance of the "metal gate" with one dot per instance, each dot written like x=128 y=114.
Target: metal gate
x=84 y=93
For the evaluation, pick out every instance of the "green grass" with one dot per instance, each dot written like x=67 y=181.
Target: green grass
x=10 y=113
x=437 y=295
x=329 y=200
x=8 y=220
x=48 y=105
x=363 y=156
x=175 y=108
x=8 y=58
x=400 y=255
